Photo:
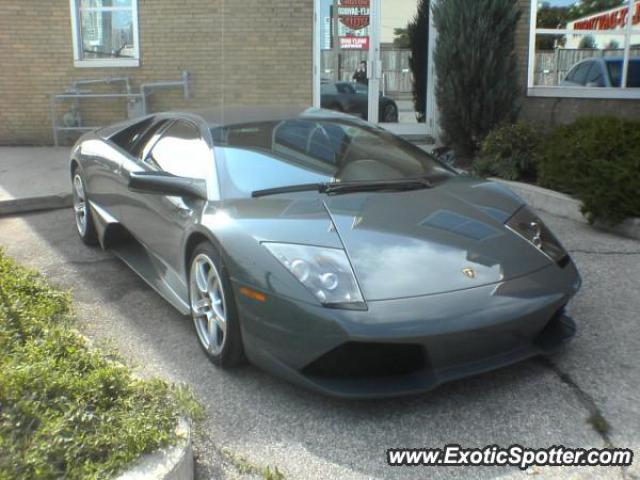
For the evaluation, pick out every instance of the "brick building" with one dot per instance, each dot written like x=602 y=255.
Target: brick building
x=259 y=51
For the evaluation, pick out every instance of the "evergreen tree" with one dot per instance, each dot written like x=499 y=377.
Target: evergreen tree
x=477 y=74
x=401 y=38
x=418 y=33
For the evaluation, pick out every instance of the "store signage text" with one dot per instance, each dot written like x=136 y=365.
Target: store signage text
x=354 y=43
x=612 y=20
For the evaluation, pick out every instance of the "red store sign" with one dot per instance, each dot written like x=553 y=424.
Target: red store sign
x=355 y=14
x=612 y=20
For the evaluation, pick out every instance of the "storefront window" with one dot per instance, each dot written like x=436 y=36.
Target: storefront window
x=585 y=49
x=105 y=33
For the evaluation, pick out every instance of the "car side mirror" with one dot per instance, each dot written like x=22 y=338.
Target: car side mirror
x=163 y=183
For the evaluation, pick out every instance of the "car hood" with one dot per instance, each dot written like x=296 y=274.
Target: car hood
x=450 y=237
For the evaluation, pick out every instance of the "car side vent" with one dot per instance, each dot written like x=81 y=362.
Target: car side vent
x=368 y=360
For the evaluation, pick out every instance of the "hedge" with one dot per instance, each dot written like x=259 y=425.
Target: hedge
x=596 y=159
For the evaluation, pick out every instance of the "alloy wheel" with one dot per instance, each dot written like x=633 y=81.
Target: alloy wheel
x=208 y=304
x=80 y=204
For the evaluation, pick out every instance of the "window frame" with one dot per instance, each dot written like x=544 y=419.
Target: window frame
x=76 y=36
x=622 y=92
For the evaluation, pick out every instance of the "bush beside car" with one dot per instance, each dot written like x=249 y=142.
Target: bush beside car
x=508 y=152
x=595 y=159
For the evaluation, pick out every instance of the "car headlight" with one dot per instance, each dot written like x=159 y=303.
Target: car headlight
x=325 y=272
x=529 y=226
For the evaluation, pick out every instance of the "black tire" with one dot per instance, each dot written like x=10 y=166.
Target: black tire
x=390 y=114
x=231 y=353
x=85 y=225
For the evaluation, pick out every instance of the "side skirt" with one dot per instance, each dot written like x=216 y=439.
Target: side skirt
x=156 y=273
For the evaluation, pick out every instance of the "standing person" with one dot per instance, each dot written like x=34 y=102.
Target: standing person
x=360 y=75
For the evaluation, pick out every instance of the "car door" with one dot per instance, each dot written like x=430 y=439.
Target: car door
x=355 y=103
x=160 y=222
x=131 y=204
x=103 y=159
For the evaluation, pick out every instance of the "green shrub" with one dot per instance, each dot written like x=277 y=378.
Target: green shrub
x=509 y=152
x=477 y=84
x=596 y=159
x=67 y=411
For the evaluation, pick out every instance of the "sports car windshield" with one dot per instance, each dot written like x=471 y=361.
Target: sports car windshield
x=270 y=155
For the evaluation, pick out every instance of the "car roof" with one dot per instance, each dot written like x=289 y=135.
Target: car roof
x=237 y=115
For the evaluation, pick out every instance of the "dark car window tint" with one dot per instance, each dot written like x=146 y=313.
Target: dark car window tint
x=291 y=152
x=294 y=135
x=594 y=77
x=633 y=78
x=181 y=151
x=127 y=138
x=615 y=73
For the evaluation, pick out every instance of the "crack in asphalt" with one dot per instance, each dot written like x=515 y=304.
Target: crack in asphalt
x=596 y=418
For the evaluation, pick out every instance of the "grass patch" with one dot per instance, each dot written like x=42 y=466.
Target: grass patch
x=67 y=410
x=244 y=467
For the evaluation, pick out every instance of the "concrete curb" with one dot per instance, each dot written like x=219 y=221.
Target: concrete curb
x=173 y=463
x=562 y=205
x=34 y=204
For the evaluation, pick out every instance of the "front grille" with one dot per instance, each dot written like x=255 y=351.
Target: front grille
x=368 y=360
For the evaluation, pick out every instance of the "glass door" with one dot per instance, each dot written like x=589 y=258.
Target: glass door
x=363 y=62
x=344 y=57
x=402 y=66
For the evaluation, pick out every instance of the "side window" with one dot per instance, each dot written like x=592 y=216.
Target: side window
x=345 y=88
x=594 y=77
x=127 y=138
x=147 y=139
x=633 y=77
x=328 y=89
x=580 y=75
x=181 y=151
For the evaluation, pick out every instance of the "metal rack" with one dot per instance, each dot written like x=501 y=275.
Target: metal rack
x=137 y=103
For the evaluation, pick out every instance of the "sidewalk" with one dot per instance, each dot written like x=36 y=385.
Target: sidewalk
x=34 y=178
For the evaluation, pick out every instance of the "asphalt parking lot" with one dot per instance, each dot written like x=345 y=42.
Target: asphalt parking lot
x=537 y=403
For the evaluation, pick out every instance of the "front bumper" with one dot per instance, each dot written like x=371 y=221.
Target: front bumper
x=407 y=346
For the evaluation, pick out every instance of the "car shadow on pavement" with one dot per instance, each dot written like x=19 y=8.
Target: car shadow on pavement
x=271 y=422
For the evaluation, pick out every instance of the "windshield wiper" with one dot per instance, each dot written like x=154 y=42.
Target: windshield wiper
x=337 y=188
x=376 y=186
x=306 y=187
